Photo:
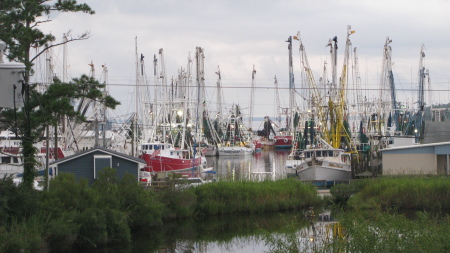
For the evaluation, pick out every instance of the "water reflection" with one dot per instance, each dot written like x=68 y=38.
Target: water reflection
x=322 y=229
x=228 y=233
x=264 y=165
x=240 y=233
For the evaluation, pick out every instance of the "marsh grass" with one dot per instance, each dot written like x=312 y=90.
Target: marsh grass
x=370 y=232
x=373 y=216
x=393 y=232
x=417 y=193
x=226 y=197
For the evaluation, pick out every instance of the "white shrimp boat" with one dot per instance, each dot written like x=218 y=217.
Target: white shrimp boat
x=323 y=164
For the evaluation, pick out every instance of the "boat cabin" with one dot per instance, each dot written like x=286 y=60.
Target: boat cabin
x=149 y=148
x=321 y=153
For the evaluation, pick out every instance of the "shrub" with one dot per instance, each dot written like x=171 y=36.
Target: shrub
x=93 y=231
x=142 y=206
x=24 y=235
x=117 y=227
x=178 y=203
x=61 y=233
x=67 y=194
x=341 y=193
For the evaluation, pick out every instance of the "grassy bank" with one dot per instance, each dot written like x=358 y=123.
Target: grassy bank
x=404 y=193
x=373 y=218
x=73 y=216
x=368 y=232
x=254 y=197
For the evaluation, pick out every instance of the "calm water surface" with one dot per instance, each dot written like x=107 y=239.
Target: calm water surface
x=266 y=164
x=224 y=234
x=234 y=233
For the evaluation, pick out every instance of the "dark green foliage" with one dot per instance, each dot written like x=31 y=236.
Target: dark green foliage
x=20 y=21
x=61 y=232
x=16 y=201
x=341 y=193
x=67 y=194
x=118 y=230
x=8 y=192
x=143 y=207
x=19 y=26
x=178 y=204
x=93 y=231
x=24 y=235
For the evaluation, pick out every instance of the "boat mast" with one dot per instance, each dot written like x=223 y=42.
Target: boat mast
x=155 y=107
x=360 y=107
x=291 y=87
x=163 y=88
x=199 y=57
x=316 y=106
x=277 y=102
x=337 y=103
x=105 y=91
x=388 y=77
x=418 y=122
x=252 y=94
x=136 y=106
x=219 y=93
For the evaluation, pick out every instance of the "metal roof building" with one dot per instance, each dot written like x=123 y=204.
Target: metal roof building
x=422 y=159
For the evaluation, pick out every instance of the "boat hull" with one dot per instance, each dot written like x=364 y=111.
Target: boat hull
x=211 y=151
x=161 y=163
x=282 y=142
x=235 y=151
x=323 y=170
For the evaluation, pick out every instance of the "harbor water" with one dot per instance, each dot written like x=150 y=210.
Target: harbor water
x=262 y=165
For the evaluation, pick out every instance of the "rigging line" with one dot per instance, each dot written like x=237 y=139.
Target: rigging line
x=271 y=88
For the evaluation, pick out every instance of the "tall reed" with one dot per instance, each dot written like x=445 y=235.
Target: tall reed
x=419 y=193
x=227 y=197
x=369 y=232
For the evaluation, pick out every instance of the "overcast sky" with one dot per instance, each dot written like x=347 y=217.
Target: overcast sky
x=239 y=34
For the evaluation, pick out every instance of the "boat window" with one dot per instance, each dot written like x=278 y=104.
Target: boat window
x=15 y=160
x=171 y=153
x=6 y=159
x=308 y=154
x=157 y=147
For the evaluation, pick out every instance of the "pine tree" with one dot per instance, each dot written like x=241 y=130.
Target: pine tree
x=19 y=28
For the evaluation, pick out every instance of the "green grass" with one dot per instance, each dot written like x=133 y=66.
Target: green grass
x=228 y=197
x=417 y=193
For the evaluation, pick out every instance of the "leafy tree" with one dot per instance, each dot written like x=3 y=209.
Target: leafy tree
x=19 y=22
x=57 y=101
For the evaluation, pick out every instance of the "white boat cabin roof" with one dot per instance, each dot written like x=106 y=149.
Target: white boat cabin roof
x=155 y=146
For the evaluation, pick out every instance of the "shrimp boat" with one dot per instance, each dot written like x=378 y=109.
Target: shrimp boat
x=236 y=141
x=164 y=157
x=324 y=152
x=10 y=162
x=322 y=163
x=282 y=141
x=171 y=143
